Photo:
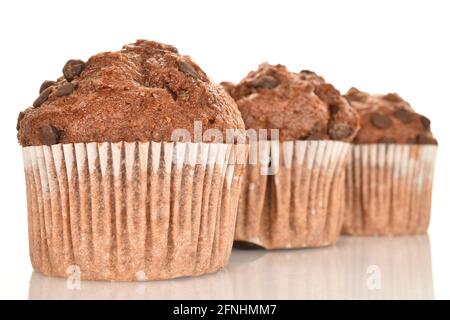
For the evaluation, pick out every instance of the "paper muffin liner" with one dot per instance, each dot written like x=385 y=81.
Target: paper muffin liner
x=388 y=189
x=132 y=211
x=299 y=202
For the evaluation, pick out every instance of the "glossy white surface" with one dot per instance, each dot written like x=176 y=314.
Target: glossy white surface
x=402 y=269
x=378 y=46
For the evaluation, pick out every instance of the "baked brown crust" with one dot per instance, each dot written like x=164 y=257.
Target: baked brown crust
x=302 y=105
x=389 y=119
x=140 y=93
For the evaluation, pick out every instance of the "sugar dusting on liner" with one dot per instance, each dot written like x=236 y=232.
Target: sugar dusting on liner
x=132 y=211
x=301 y=204
x=388 y=189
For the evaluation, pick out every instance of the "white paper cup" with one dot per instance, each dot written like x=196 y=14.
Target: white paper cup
x=131 y=211
x=388 y=189
x=299 y=202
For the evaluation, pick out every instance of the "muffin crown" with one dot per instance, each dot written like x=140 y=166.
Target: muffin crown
x=389 y=119
x=143 y=92
x=302 y=105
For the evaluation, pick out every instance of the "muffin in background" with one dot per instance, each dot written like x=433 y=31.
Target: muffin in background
x=110 y=196
x=301 y=105
x=390 y=172
x=292 y=195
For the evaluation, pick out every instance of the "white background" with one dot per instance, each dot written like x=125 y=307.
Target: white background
x=377 y=46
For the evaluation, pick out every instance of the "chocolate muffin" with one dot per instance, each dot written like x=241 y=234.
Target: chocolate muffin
x=301 y=105
x=390 y=172
x=292 y=195
x=110 y=197
x=389 y=119
x=140 y=93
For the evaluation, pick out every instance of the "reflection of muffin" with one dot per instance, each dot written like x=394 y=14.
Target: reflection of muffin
x=301 y=204
x=390 y=174
x=386 y=267
x=108 y=193
x=288 y=274
x=210 y=286
x=355 y=268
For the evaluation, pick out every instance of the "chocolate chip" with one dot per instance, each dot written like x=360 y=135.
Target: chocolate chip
x=185 y=67
x=265 y=82
x=42 y=97
x=211 y=120
x=73 y=69
x=65 y=89
x=340 y=131
x=425 y=122
x=386 y=140
x=425 y=139
x=403 y=115
x=46 y=84
x=307 y=71
x=19 y=118
x=334 y=109
x=380 y=121
x=49 y=135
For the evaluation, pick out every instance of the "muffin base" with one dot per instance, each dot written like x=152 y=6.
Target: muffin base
x=131 y=211
x=388 y=189
x=301 y=204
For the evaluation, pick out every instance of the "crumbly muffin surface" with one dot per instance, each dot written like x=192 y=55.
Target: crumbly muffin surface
x=302 y=105
x=389 y=119
x=140 y=93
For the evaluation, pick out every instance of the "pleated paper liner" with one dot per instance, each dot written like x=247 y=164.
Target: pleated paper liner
x=132 y=211
x=299 y=202
x=389 y=189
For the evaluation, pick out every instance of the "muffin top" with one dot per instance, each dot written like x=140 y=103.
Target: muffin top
x=302 y=105
x=389 y=119
x=140 y=93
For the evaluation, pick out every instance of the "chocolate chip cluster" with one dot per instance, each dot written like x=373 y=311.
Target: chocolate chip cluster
x=64 y=86
x=142 y=92
x=389 y=119
x=302 y=105
x=383 y=122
